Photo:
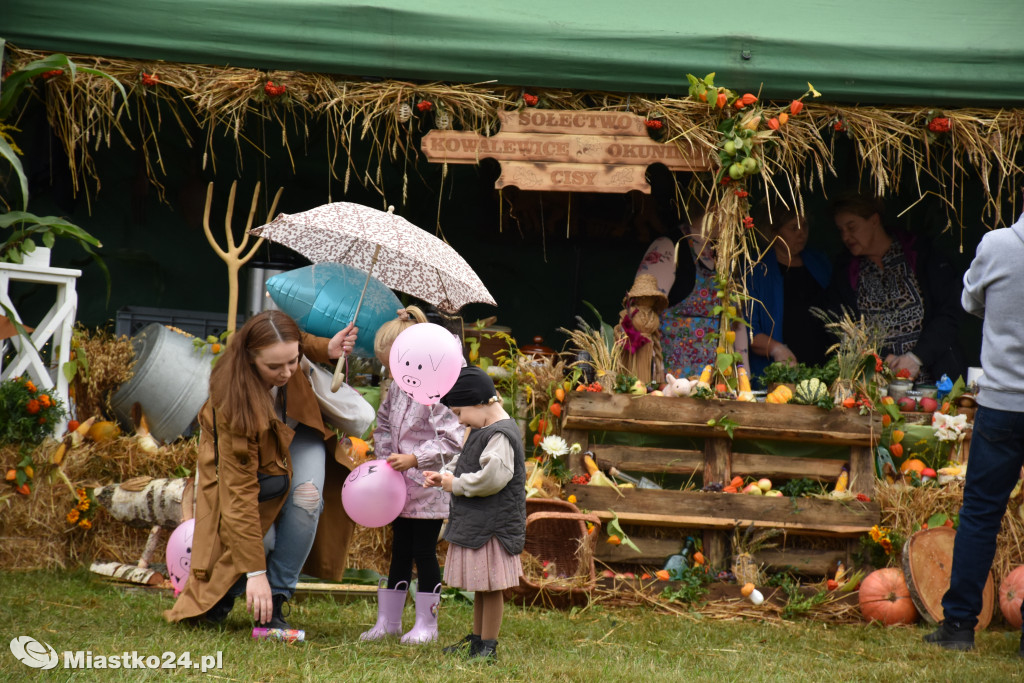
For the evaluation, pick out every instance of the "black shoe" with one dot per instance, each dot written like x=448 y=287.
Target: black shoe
x=486 y=650
x=470 y=642
x=216 y=615
x=277 y=616
x=952 y=636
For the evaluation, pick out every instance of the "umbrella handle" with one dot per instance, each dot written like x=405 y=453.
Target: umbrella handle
x=339 y=373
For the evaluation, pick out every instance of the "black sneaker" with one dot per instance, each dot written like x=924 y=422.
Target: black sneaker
x=487 y=650
x=216 y=615
x=470 y=642
x=952 y=636
x=277 y=616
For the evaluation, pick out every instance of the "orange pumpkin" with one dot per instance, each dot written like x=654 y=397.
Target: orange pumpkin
x=884 y=597
x=913 y=464
x=1011 y=592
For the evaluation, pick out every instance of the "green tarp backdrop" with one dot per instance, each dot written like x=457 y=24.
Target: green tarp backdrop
x=869 y=51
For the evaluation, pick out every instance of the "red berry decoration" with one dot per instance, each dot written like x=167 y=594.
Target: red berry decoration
x=748 y=222
x=838 y=126
x=940 y=124
x=53 y=73
x=274 y=90
x=742 y=194
x=424 y=105
x=531 y=100
x=653 y=124
x=150 y=79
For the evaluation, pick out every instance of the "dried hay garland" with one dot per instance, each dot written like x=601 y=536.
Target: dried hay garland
x=982 y=143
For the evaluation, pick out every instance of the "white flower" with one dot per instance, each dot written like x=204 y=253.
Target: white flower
x=949 y=427
x=554 y=446
x=575 y=449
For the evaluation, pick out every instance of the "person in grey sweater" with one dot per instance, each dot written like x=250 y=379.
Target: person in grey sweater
x=993 y=286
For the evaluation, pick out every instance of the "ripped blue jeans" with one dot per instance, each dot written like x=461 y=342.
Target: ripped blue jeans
x=290 y=539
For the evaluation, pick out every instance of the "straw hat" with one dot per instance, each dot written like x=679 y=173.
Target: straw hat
x=646 y=284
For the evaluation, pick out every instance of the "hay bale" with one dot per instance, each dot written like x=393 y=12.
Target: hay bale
x=906 y=507
x=34 y=532
x=371 y=549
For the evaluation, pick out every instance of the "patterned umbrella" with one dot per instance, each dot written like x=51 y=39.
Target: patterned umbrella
x=396 y=252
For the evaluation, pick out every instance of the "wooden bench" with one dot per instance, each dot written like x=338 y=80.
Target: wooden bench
x=715 y=514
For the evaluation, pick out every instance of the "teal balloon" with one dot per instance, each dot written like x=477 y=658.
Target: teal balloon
x=322 y=298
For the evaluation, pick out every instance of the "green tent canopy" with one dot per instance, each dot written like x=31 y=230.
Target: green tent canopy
x=870 y=51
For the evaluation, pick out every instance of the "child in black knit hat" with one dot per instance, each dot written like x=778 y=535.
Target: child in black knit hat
x=487 y=521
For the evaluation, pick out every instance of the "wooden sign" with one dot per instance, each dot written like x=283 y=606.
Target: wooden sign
x=566 y=151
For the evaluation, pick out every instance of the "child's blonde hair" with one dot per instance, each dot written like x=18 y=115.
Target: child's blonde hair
x=389 y=331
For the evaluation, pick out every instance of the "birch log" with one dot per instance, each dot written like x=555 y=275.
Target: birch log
x=127 y=572
x=156 y=502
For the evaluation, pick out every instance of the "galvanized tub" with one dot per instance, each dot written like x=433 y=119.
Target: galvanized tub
x=171 y=382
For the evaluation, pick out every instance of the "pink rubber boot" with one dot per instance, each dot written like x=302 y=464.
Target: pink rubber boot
x=425 y=628
x=390 y=603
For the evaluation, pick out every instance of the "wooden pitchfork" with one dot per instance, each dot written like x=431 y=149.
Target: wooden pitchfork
x=231 y=255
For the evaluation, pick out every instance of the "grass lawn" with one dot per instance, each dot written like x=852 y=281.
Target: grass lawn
x=75 y=611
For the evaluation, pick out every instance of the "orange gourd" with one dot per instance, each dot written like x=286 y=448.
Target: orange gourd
x=914 y=464
x=1011 y=591
x=884 y=597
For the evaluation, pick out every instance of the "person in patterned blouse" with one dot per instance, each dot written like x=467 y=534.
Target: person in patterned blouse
x=685 y=273
x=900 y=284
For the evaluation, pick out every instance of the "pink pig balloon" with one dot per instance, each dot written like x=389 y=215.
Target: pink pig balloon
x=425 y=361
x=374 y=493
x=179 y=554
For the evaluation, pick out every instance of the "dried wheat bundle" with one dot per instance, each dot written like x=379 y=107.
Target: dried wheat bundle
x=890 y=141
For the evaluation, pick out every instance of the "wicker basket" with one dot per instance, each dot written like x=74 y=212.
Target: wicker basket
x=554 y=532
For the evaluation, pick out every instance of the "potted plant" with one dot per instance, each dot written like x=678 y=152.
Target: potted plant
x=27 y=230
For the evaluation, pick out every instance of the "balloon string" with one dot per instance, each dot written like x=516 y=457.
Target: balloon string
x=437 y=437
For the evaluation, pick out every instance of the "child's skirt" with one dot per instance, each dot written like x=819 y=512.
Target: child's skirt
x=488 y=568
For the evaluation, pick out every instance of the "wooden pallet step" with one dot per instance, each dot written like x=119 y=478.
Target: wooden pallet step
x=656 y=551
x=686 y=462
x=689 y=417
x=803 y=560
x=724 y=511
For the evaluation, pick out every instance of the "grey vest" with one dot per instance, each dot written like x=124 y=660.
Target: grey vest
x=472 y=522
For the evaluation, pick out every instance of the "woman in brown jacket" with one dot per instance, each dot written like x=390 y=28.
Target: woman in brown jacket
x=263 y=477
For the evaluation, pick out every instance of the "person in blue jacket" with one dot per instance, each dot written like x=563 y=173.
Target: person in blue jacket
x=784 y=285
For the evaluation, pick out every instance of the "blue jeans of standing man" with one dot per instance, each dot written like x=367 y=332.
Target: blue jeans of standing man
x=993 y=469
x=290 y=538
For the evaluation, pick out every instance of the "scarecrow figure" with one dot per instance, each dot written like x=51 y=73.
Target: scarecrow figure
x=639 y=324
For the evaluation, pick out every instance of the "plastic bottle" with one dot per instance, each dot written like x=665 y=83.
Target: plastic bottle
x=677 y=564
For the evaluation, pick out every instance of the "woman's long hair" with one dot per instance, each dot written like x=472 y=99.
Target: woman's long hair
x=235 y=386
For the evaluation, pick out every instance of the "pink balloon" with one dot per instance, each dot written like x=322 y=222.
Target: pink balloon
x=425 y=361
x=179 y=554
x=374 y=493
